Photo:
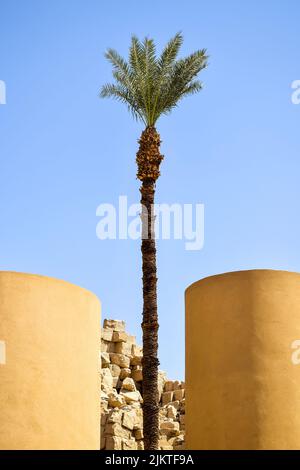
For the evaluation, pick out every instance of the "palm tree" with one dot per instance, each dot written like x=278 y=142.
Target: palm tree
x=151 y=86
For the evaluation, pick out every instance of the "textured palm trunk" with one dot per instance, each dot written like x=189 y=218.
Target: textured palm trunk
x=148 y=161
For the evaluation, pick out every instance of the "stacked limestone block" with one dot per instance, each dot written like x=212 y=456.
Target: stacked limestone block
x=121 y=399
x=172 y=415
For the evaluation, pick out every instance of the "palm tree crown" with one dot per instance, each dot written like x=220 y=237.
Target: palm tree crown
x=149 y=85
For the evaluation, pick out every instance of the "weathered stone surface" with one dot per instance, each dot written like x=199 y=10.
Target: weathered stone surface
x=136 y=360
x=169 y=386
x=106 y=380
x=177 y=385
x=125 y=373
x=106 y=334
x=128 y=384
x=131 y=397
x=137 y=373
x=104 y=405
x=117 y=430
x=113 y=443
x=103 y=419
x=137 y=350
x=103 y=395
x=164 y=445
x=115 y=370
x=171 y=441
x=161 y=383
x=115 y=400
x=120 y=360
x=115 y=416
x=119 y=337
x=116 y=325
x=138 y=434
x=115 y=382
x=170 y=428
x=107 y=346
x=138 y=425
x=171 y=412
x=102 y=442
x=105 y=361
x=179 y=394
x=139 y=417
x=140 y=445
x=179 y=446
x=137 y=354
x=123 y=348
x=129 y=419
x=176 y=404
x=129 y=444
x=178 y=443
x=135 y=405
x=166 y=398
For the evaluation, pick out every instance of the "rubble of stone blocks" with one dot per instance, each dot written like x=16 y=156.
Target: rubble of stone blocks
x=121 y=395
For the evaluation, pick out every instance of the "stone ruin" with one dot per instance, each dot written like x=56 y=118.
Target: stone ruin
x=121 y=395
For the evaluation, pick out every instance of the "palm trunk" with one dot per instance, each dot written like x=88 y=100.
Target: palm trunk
x=148 y=160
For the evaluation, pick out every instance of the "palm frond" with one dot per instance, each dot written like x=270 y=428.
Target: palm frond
x=117 y=61
x=122 y=94
x=193 y=88
x=170 y=52
x=149 y=85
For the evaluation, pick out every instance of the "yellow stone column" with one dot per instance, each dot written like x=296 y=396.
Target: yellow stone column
x=49 y=364
x=242 y=373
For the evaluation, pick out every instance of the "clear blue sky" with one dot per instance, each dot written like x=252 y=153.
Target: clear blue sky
x=234 y=147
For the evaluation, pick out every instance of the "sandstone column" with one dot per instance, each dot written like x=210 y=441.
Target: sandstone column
x=242 y=380
x=49 y=364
